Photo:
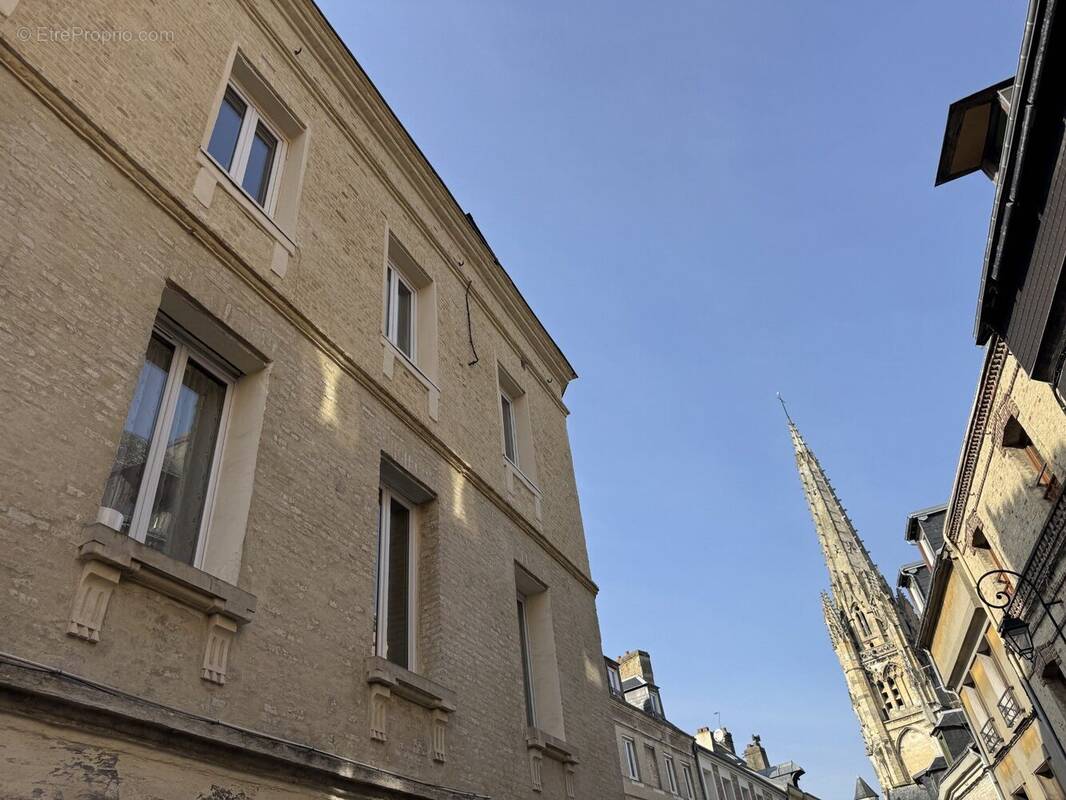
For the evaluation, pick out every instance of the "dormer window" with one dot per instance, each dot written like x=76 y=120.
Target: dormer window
x=655 y=705
x=614 y=679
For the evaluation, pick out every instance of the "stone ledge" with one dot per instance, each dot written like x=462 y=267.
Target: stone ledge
x=551 y=746
x=49 y=695
x=409 y=685
x=186 y=584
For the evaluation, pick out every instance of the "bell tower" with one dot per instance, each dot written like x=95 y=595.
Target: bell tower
x=893 y=696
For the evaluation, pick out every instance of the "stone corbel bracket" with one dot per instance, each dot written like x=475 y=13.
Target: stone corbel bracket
x=110 y=557
x=386 y=680
x=541 y=745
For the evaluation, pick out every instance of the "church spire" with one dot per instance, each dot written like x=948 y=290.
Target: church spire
x=892 y=696
x=851 y=570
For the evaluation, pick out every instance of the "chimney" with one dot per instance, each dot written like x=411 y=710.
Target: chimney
x=755 y=754
x=636 y=664
x=704 y=738
x=723 y=738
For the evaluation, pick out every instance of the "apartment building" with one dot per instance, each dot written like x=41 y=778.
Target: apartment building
x=658 y=759
x=994 y=622
x=288 y=506
x=1004 y=493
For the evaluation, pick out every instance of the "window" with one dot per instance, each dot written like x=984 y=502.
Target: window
x=1016 y=438
x=614 y=679
x=161 y=485
x=247 y=148
x=671 y=774
x=527 y=664
x=516 y=429
x=510 y=443
x=394 y=616
x=1055 y=680
x=409 y=321
x=653 y=766
x=983 y=723
x=632 y=768
x=655 y=702
x=690 y=788
x=400 y=312
x=861 y=618
x=542 y=694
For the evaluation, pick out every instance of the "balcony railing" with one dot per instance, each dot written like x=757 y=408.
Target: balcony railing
x=1009 y=708
x=990 y=736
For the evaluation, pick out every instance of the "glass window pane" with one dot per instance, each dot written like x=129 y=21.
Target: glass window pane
x=174 y=526
x=389 y=328
x=227 y=129
x=404 y=319
x=124 y=483
x=399 y=570
x=508 y=429
x=527 y=669
x=260 y=164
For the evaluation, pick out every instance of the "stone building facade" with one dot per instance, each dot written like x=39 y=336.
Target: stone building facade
x=288 y=505
x=657 y=758
x=994 y=622
x=1007 y=496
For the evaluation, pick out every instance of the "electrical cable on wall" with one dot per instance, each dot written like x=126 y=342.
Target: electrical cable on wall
x=470 y=325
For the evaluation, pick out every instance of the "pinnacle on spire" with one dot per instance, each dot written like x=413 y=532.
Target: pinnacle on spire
x=863 y=791
x=832 y=617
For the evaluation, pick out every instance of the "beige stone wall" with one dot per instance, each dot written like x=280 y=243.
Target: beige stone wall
x=100 y=161
x=666 y=740
x=996 y=526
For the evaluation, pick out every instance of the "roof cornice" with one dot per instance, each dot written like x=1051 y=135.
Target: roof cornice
x=980 y=413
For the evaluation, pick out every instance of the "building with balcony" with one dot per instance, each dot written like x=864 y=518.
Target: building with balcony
x=1005 y=495
x=994 y=625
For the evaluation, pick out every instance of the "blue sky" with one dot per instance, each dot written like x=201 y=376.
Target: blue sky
x=707 y=203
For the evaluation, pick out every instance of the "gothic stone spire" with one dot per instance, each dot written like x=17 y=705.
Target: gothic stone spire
x=891 y=695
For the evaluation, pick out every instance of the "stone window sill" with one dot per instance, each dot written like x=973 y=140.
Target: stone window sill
x=409 y=685
x=387 y=679
x=551 y=746
x=175 y=579
x=392 y=355
x=109 y=557
x=254 y=210
x=515 y=478
x=212 y=175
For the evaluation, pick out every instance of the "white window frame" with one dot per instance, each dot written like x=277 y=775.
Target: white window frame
x=632 y=765
x=526 y=652
x=153 y=466
x=393 y=278
x=241 y=152
x=671 y=773
x=381 y=617
x=614 y=680
x=505 y=418
x=656 y=702
x=690 y=787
